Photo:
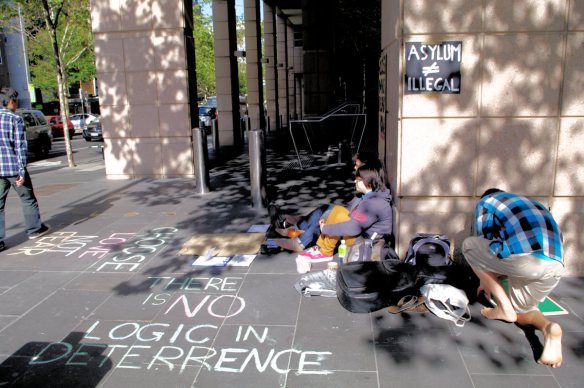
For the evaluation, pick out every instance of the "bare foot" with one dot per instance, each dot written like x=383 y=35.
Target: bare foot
x=282 y=232
x=289 y=244
x=497 y=313
x=552 y=348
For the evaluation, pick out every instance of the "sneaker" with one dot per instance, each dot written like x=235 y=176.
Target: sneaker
x=315 y=255
x=41 y=232
x=2 y=246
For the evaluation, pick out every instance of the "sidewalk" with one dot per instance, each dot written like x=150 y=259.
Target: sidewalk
x=105 y=300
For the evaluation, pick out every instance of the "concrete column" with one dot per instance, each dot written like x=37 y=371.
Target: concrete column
x=271 y=65
x=318 y=37
x=281 y=49
x=253 y=47
x=226 y=73
x=298 y=81
x=145 y=69
x=291 y=71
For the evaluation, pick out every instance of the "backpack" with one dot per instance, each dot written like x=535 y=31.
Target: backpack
x=429 y=249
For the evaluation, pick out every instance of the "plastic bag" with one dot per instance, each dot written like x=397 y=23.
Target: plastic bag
x=322 y=283
x=447 y=302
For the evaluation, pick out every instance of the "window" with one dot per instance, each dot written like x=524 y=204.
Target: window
x=29 y=120
x=40 y=117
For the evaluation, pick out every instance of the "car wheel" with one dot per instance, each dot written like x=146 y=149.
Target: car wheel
x=43 y=149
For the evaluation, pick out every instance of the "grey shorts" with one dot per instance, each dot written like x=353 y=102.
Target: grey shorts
x=531 y=279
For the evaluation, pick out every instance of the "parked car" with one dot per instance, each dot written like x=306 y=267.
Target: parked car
x=211 y=101
x=56 y=123
x=39 y=136
x=81 y=120
x=93 y=131
x=206 y=114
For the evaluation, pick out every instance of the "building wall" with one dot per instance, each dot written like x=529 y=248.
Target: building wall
x=4 y=80
x=518 y=123
x=14 y=68
x=147 y=99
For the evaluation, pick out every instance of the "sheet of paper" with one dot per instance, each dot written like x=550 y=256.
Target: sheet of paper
x=241 y=260
x=258 y=228
x=213 y=261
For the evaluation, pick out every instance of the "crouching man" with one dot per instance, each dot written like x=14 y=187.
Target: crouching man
x=518 y=238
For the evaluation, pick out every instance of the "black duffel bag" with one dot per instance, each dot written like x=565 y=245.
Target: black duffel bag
x=366 y=286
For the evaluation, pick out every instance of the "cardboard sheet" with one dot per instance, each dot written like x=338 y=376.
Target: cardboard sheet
x=227 y=244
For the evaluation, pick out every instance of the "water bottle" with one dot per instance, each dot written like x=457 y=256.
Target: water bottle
x=342 y=251
x=366 y=250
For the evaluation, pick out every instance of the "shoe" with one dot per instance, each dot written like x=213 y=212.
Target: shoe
x=41 y=232
x=2 y=246
x=409 y=304
x=315 y=255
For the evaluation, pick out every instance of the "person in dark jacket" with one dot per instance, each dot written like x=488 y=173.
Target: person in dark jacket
x=369 y=215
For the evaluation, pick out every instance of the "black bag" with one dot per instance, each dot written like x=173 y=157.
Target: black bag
x=429 y=249
x=366 y=286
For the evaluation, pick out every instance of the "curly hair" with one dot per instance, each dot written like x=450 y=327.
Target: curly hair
x=7 y=94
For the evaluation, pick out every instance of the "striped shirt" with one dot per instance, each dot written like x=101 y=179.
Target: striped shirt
x=13 y=146
x=518 y=225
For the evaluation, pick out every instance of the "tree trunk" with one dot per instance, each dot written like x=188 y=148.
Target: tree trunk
x=61 y=80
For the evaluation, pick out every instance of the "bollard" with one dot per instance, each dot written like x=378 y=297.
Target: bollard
x=200 y=155
x=215 y=137
x=257 y=168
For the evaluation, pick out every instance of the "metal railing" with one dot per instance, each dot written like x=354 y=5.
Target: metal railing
x=340 y=111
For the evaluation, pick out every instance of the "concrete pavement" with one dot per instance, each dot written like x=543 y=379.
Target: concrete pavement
x=105 y=300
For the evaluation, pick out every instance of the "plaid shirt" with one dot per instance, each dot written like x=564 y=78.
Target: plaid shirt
x=13 y=145
x=518 y=225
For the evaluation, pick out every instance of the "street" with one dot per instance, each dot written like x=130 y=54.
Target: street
x=84 y=153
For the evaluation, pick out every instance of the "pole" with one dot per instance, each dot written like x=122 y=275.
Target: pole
x=215 y=137
x=257 y=168
x=200 y=155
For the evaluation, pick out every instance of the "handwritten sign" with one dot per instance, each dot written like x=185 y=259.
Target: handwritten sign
x=433 y=68
x=191 y=311
x=172 y=346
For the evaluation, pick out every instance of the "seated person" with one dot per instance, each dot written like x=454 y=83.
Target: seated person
x=364 y=216
x=308 y=225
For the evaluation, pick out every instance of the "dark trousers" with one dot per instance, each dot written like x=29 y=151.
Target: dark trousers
x=30 y=206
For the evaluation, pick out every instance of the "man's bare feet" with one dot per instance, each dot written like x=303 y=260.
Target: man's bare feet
x=498 y=313
x=552 y=347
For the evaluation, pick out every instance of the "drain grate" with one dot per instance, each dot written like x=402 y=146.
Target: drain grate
x=47 y=190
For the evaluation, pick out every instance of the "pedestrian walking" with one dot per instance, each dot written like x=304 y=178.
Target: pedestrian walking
x=13 y=160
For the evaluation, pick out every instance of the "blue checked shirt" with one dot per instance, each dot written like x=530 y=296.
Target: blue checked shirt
x=518 y=225
x=13 y=145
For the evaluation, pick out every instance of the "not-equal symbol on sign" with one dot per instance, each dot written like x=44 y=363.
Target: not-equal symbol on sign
x=430 y=69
